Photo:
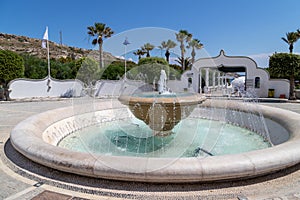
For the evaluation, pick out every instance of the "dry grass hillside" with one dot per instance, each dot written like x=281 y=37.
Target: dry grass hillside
x=32 y=46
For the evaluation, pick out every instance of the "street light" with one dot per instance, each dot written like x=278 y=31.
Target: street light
x=125 y=43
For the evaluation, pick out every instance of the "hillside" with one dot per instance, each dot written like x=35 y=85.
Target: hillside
x=32 y=46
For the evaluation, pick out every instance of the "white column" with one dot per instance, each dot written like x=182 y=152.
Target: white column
x=219 y=80
x=206 y=77
x=200 y=81
x=214 y=79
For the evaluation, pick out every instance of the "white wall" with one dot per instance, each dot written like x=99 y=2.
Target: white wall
x=30 y=88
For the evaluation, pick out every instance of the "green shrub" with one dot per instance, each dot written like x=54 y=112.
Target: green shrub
x=89 y=71
x=35 y=68
x=149 y=69
x=11 y=66
x=152 y=60
x=283 y=65
x=116 y=70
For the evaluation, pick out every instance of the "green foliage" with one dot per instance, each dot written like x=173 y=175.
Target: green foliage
x=151 y=60
x=35 y=68
x=11 y=66
x=176 y=67
x=116 y=70
x=149 y=68
x=60 y=70
x=284 y=65
x=63 y=68
x=89 y=72
x=187 y=62
x=99 y=31
x=147 y=48
x=291 y=38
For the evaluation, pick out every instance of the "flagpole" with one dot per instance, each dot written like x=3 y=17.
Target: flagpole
x=45 y=44
x=48 y=60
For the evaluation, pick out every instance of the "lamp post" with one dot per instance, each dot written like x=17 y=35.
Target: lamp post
x=125 y=43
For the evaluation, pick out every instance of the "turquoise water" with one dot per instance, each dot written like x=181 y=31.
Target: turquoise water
x=190 y=138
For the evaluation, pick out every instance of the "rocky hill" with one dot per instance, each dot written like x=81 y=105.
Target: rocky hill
x=32 y=46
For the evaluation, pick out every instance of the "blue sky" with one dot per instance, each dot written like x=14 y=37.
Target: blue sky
x=241 y=27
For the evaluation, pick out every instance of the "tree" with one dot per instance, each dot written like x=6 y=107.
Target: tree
x=183 y=36
x=89 y=71
x=147 y=47
x=162 y=46
x=167 y=45
x=116 y=69
x=291 y=38
x=35 y=68
x=282 y=65
x=150 y=68
x=139 y=53
x=11 y=67
x=194 y=44
x=186 y=62
x=99 y=31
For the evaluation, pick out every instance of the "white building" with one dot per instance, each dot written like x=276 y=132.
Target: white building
x=209 y=74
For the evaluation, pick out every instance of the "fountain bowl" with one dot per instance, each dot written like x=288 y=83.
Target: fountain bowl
x=161 y=112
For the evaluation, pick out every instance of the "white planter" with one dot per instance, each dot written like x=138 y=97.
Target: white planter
x=297 y=93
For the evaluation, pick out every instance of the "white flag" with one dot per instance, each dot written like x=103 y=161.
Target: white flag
x=45 y=38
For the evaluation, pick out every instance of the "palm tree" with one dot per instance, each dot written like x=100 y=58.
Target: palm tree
x=291 y=38
x=162 y=46
x=298 y=33
x=99 y=31
x=186 y=62
x=147 y=47
x=139 y=53
x=169 y=45
x=183 y=36
x=194 y=44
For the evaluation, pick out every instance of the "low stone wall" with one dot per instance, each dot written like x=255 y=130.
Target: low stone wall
x=31 y=88
x=30 y=136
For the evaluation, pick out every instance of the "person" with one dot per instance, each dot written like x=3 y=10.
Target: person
x=238 y=85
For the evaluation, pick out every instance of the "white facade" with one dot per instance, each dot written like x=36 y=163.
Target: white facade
x=209 y=74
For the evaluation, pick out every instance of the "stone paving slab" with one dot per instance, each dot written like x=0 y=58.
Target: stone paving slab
x=45 y=195
x=282 y=185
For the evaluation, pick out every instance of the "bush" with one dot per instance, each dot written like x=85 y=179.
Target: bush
x=152 y=60
x=35 y=68
x=116 y=70
x=11 y=66
x=284 y=65
x=149 y=69
x=89 y=71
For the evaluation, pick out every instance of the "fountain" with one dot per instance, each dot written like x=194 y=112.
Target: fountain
x=162 y=110
x=161 y=136
x=162 y=89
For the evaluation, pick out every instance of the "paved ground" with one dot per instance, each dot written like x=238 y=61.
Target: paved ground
x=22 y=179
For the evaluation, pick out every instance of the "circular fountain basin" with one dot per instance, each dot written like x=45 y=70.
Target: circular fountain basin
x=37 y=137
x=192 y=137
x=161 y=112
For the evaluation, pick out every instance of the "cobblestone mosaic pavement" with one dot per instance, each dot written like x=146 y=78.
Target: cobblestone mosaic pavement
x=23 y=179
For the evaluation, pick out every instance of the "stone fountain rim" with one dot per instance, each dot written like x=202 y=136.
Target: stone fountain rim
x=26 y=138
x=191 y=99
